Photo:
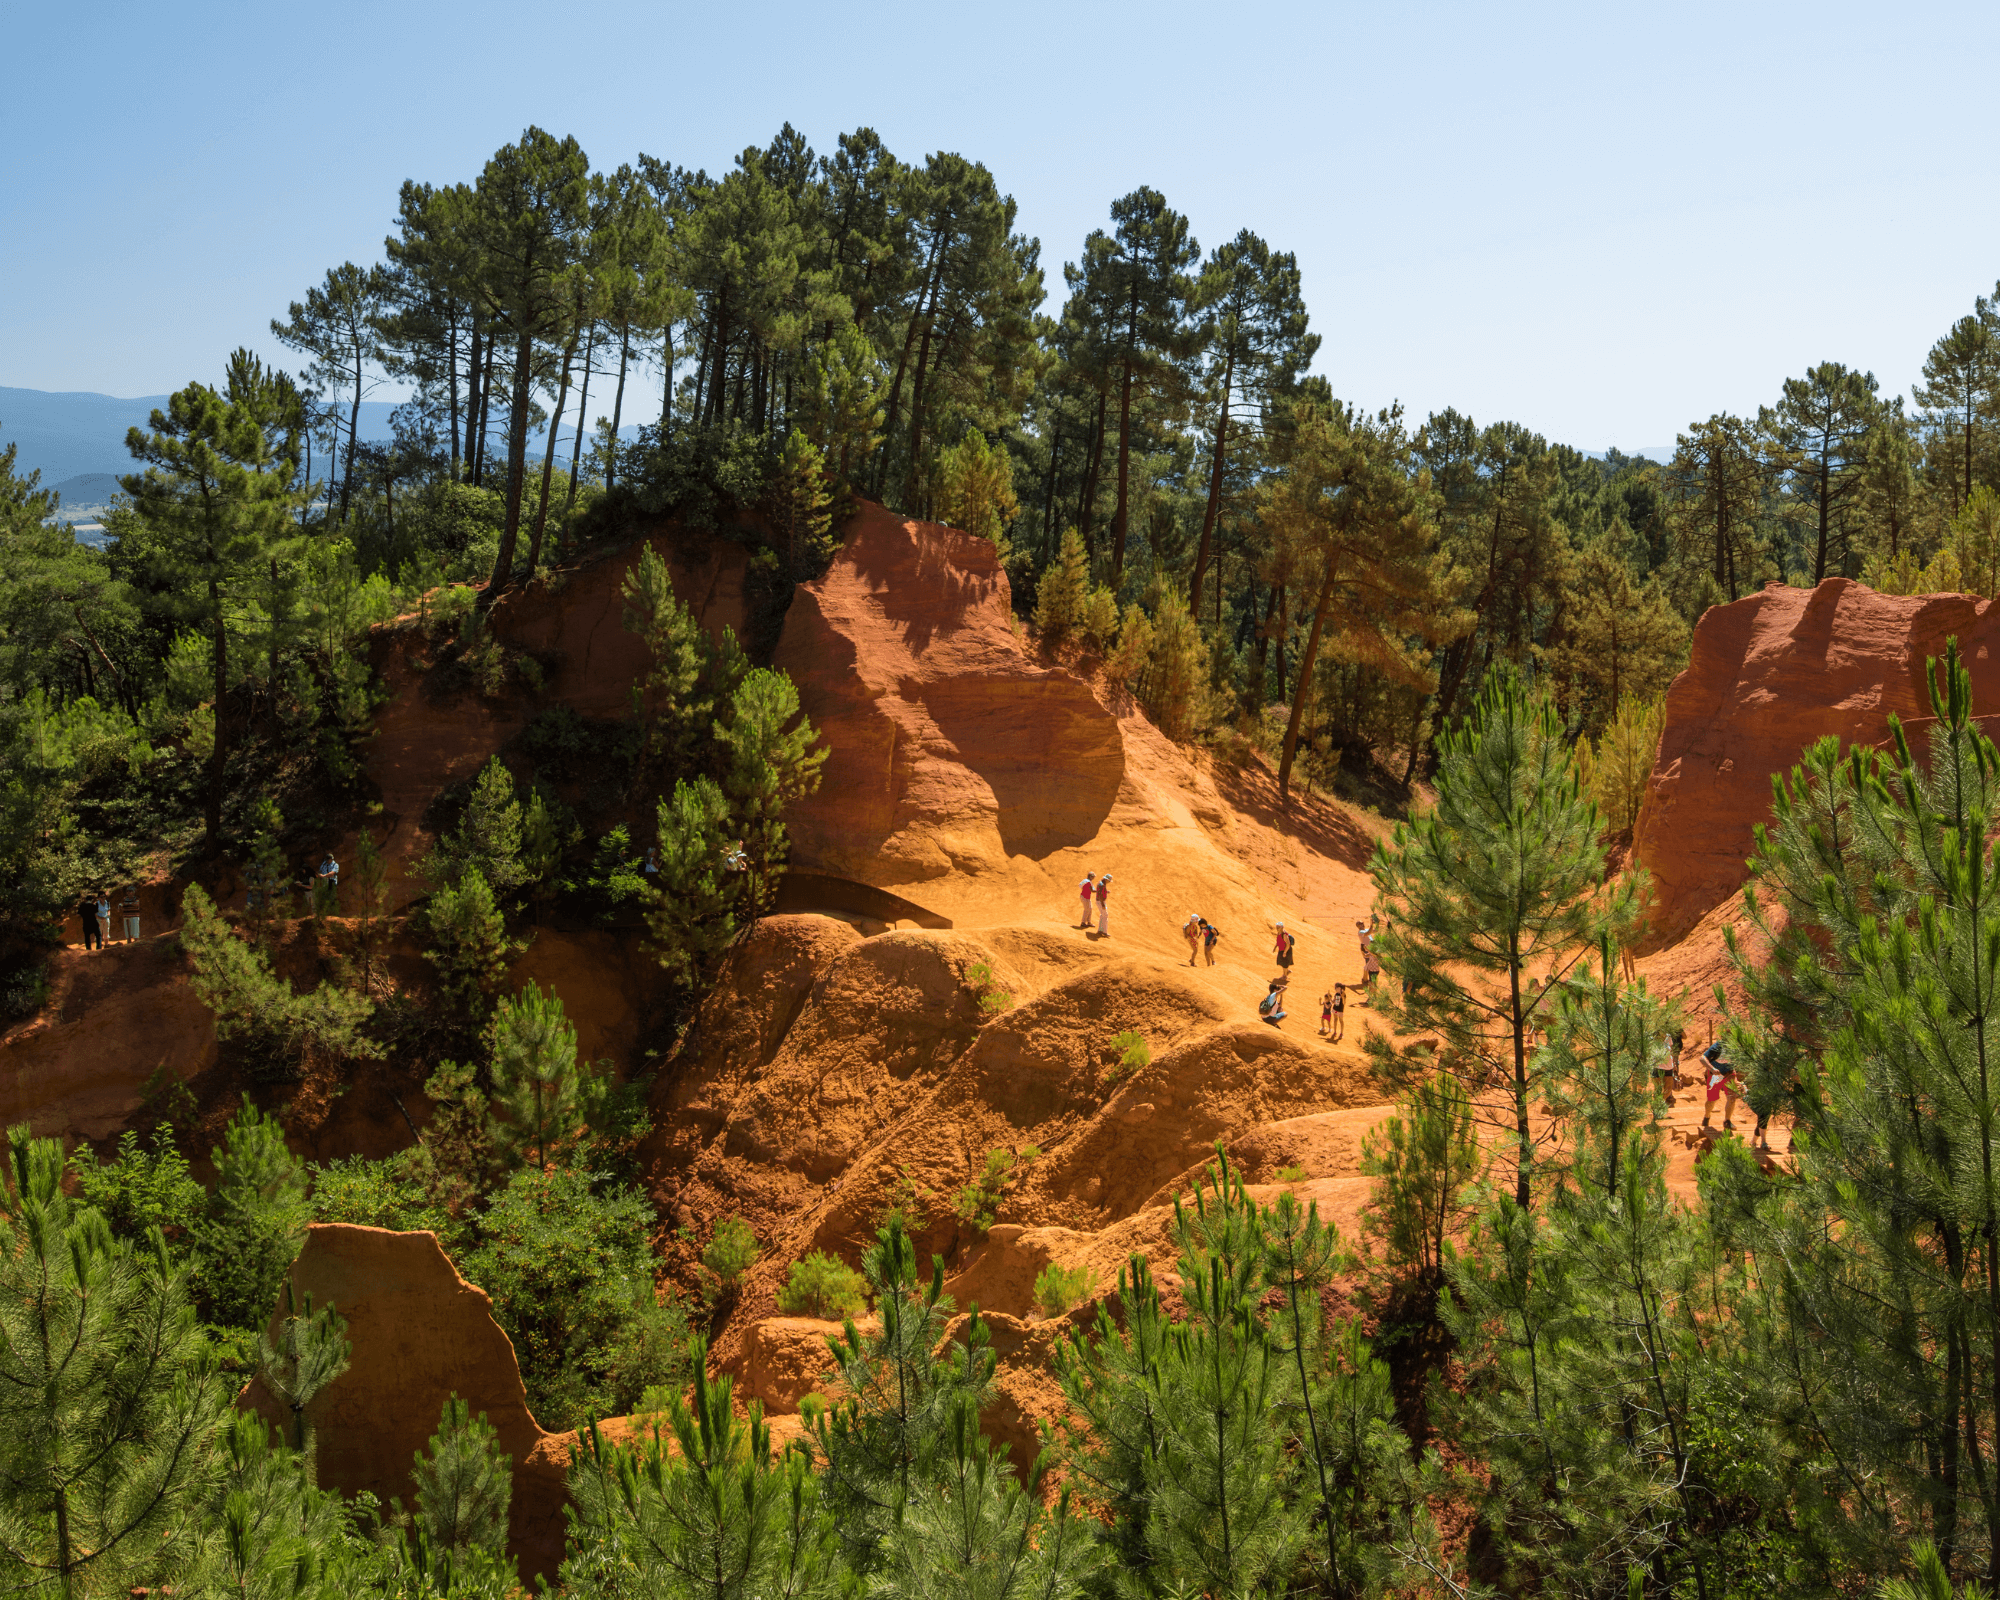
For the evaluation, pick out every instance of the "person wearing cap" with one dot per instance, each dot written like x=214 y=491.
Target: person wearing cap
x=1086 y=889
x=1104 y=906
x=1191 y=931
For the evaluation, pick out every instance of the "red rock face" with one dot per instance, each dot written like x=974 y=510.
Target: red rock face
x=952 y=749
x=420 y=1333
x=1769 y=675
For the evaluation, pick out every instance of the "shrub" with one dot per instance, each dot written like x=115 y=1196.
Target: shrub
x=1291 y=1174
x=1425 y=1158
x=1059 y=1288
x=256 y=1220
x=823 y=1285
x=138 y=1189
x=570 y=1271
x=991 y=998
x=731 y=1252
x=978 y=1203
x=470 y=947
x=1133 y=1054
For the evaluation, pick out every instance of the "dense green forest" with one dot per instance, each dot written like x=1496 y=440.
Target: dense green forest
x=1533 y=1374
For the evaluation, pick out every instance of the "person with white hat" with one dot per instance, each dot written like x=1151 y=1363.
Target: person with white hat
x=1191 y=931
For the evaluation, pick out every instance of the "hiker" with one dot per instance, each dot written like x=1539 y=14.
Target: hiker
x=130 y=906
x=1371 y=966
x=326 y=886
x=1104 y=906
x=1209 y=934
x=1720 y=1077
x=1326 y=1013
x=1272 y=1007
x=104 y=916
x=1339 y=1001
x=1284 y=946
x=1086 y=889
x=1191 y=931
x=86 y=911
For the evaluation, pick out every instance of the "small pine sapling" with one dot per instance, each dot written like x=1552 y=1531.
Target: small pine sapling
x=823 y=1285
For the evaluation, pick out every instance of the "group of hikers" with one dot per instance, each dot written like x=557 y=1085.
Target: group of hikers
x=94 y=912
x=1333 y=1003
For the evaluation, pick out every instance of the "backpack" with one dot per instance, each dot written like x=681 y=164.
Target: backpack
x=1268 y=1004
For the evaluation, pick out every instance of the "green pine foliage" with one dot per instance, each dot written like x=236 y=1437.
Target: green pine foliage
x=1426 y=1159
x=822 y=1285
x=537 y=1103
x=464 y=1483
x=1497 y=883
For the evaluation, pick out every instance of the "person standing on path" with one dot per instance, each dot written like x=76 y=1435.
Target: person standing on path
x=1104 y=906
x=104 y=918
x=1371 y=966
x=130 y=906
x=86 y=911
x=1209 y=934
x=1326 y=1014
x=1339 y=1013
x=1191 y=931
x=1283 y=946
x=1720 y=1078
x=1086 y=889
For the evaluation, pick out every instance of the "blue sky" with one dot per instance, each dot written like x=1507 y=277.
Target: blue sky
x=1601 y=220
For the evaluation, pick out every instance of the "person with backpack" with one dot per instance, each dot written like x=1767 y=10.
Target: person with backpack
x=1209 y=934
x=1191 y=931
x=1284 y=947
x=1272 y=1007
x=1720 y=1078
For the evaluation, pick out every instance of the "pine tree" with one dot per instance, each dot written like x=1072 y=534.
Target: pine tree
x=214 y=495
x=771 y=763
x=257 y=1219
x=1874 y=1025
x=311 y=1350
x=339 y=325
x=470 y=948
x=900 y=1386
x=701 y=899
x=1354 y=524
x=1961 y=374
x=536 y=1084
x=1064 y=587
x=1604 y=1041
x=107 y=1394
x=1426 y=1157
x=1497 y=883
x=464 y=1483
x=1718 y=478
x=487 y=837
x=1820 y=428
x=1251 y=326
x=701 y=1509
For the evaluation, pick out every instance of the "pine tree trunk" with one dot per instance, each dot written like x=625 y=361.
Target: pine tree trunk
x=917 y=402
x=1124 y=442
x=1305 y=678
x=517 y=468
x=451 y=373
x=212 y=812
x=582 y=420
x=1096 y=460
x=474 y=395
x=549 y=462
x=1214 y=497
x=353 y=436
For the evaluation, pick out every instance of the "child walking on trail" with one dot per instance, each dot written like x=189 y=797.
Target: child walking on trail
x=1191 y=931
x=1326 y=1012
x=1104 y=906
x=1087 y=889
x=1720 y=1078
x=1338 y=1000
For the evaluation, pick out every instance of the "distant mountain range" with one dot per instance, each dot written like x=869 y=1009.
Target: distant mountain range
x=79 y=435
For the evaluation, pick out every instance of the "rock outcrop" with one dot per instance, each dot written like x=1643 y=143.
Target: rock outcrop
x=1768 y=676
x=951 y=748
x=420 y=1334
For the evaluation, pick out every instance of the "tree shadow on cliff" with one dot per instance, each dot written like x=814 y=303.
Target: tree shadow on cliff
x=1315 y=821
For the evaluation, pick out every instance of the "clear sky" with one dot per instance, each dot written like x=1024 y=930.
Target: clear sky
x=1601 y=220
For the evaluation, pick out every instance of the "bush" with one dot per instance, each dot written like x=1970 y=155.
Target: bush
x=978 y=1203
x=730 y=1253
x=1059 y=1288
x=992 y=999
x=257 y=1215
x=823 y=1285
x=470 y=947
x=570 y=1271
x=1133 y=1054
x=138 y=1189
